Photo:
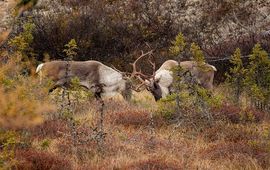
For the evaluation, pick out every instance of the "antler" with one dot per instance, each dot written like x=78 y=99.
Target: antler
x=139 y=74
x=135 y=72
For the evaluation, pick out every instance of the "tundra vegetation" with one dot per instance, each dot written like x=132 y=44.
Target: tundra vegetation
x=227 y=127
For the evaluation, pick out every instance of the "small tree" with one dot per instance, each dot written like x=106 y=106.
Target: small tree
x=178 y=45
x=21 y=45
x=22 y=42
x=197 y=53
x=71 y=49
x=202 y=97
x=236 y=76
x=257 y=78
x=198 y=57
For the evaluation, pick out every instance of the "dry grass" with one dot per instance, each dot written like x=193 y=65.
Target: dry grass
x=131 y=143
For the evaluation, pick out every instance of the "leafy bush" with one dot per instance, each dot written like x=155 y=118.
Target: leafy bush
x=178 y=45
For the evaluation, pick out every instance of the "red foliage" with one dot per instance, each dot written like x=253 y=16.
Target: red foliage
x=50 y=128
x=228 y=150
x=131 y=117
x=236 y=115
x=230 y=133
x=39 y=160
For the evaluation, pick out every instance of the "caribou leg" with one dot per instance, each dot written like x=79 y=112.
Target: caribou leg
x=98 y=90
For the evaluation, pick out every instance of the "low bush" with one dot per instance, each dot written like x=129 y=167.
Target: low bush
x=131 y=117
x=230 y=133
x=232 y=150
x=32 y=159
x=50 y=128
x=237 y=114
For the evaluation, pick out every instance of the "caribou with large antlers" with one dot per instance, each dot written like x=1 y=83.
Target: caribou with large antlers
x=161 y=81
x=92 y=75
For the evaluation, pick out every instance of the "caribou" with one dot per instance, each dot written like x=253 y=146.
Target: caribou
x=160 y=83
x=92 y=75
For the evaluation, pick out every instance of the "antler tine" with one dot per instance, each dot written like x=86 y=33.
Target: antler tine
x=153 y=66
x=142 y=55
x=135 y=72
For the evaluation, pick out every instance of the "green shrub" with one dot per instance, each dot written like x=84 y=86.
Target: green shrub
x=236 y=76
x=258 y=74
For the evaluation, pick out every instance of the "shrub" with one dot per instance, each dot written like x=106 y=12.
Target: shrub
x=131 y=117
x=8 y=141
x=258 y=75
x=32 y=159
x=107 y=30
x=236 y=114
x=231 y=150
x=224 y=131
x=50 y=128
x=22 y=100
x=236 y=76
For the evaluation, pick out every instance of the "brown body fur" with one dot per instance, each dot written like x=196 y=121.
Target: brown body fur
x=204 y=74
x=57 y=71
x=92 y=75
x=161 y=86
